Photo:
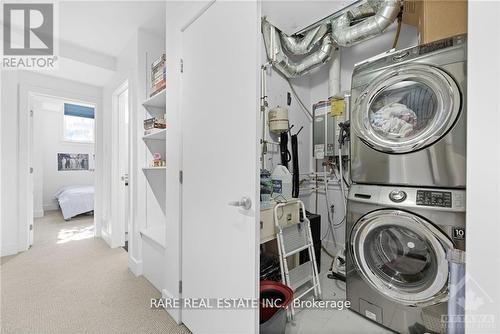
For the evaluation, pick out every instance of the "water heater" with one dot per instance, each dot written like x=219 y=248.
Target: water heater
x=324 y=141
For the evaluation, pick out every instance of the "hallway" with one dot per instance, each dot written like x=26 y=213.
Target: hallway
x=71 y=282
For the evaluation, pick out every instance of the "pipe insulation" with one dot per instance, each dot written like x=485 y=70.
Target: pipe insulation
x=346 y=35
x=304 y=45
x=281 y=61
x=334 y=73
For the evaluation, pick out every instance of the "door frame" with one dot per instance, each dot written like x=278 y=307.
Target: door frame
x=26 y=92
x=117 y=237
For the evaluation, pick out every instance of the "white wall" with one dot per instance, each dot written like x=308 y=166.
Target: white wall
x=14 y=84
x=126 y=70
x=483 y=169
x=48 y=142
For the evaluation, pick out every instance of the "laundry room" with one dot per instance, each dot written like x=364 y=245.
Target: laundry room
x=362 y=160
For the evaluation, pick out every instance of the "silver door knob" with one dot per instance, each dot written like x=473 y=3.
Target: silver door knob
x=245 y=203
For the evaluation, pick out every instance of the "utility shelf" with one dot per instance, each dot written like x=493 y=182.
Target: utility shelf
x=156 y=233
x=158 y=135
x=157 y=101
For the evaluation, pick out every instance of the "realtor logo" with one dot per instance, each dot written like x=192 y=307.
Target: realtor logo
x=28 y=29
x=30 y=36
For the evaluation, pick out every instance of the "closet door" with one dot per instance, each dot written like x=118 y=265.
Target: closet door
x=220 y=111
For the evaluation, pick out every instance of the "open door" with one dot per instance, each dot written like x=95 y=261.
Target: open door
x=220 y=203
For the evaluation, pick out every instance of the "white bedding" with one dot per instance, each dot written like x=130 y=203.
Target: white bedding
x=75 y=200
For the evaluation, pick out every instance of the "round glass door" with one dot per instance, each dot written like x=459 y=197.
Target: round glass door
x=407 y=108
x=402 y=256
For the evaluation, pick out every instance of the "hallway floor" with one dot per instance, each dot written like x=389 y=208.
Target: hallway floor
x=71 y=282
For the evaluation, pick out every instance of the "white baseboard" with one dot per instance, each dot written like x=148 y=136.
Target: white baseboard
x=135 y=265
x=9 y=249
x=38 y=213
x=106 y=237
x=50 y=207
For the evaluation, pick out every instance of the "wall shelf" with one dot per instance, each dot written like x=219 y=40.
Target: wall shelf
x=158 y=135
x=157 y=101
x=156 y=233
x=148 y=169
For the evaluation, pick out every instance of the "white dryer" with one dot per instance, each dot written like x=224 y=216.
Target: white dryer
x=408 y=116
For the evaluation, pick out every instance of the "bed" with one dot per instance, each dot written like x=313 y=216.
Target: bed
x=75 y=200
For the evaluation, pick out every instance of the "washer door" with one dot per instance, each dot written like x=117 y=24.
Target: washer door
x=402 y=256
x=406 y=109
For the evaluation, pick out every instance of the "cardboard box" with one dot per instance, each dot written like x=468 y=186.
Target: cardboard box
x=436 y=19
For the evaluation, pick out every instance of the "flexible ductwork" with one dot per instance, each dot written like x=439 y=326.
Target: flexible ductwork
x=345 y=35
x=300 y=46
x=291 y=69
x=320 y=38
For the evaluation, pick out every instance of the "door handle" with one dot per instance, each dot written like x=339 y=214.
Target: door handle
x=245 y=203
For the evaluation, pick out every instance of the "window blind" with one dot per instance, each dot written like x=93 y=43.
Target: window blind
x=79 y=111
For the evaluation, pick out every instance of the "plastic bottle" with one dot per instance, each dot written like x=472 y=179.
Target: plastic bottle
x=282 y=184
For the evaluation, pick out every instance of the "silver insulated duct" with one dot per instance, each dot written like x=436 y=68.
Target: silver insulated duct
x=345 y=35
x=315 y=45
x=300 y=46
x=280 y=60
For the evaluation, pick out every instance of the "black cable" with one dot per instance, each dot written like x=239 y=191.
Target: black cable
x=295 y=162
x=284 y=153
x=398 y=30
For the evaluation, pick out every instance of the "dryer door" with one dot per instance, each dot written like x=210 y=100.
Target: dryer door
x=402 y=256
x=406 y=109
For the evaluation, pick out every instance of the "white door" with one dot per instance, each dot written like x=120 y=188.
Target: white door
x=123 y=148
x=220 y=165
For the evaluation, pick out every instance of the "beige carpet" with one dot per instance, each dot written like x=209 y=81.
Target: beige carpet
x=71 y=282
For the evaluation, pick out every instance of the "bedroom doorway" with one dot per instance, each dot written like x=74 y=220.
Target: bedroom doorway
x=61 y=156
x=121 y=112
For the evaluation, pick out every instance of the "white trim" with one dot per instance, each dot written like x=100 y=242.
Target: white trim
x=175 y=313
x=9 y=249
x=38 y=213
x=135 y=265
x=50 y=207
x=117 y=228
x=197 y=15
x=106 y=237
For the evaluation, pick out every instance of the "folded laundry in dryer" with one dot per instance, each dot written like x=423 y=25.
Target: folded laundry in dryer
x=394 y=119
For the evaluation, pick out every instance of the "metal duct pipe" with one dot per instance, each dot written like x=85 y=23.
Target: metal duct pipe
x=300 y=46
x=345 y=35
x=283 y=63
x=334 y=73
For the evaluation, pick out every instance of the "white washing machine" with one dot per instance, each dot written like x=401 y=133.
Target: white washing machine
x=397 y=241
x=408 y=116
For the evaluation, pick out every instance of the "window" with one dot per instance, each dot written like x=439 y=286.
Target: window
x=78 y=123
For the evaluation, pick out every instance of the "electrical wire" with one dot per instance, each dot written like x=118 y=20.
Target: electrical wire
x=298 y=98
x=398 y=30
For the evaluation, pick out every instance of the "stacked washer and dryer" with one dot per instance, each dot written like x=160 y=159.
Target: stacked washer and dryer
x=406 y=207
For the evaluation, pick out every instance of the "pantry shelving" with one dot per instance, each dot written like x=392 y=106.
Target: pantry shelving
x=153 y=232
x=157 y=135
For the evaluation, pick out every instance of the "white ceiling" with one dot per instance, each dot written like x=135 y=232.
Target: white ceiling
x=292 y=16
x=107 y=26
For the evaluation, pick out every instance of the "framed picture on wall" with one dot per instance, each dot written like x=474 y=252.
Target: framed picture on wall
x=72 y=161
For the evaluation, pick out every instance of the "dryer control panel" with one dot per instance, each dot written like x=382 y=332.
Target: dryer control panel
x=440 y=199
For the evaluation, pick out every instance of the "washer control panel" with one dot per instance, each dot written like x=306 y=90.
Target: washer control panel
x=397 y=196
x=440 y=199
